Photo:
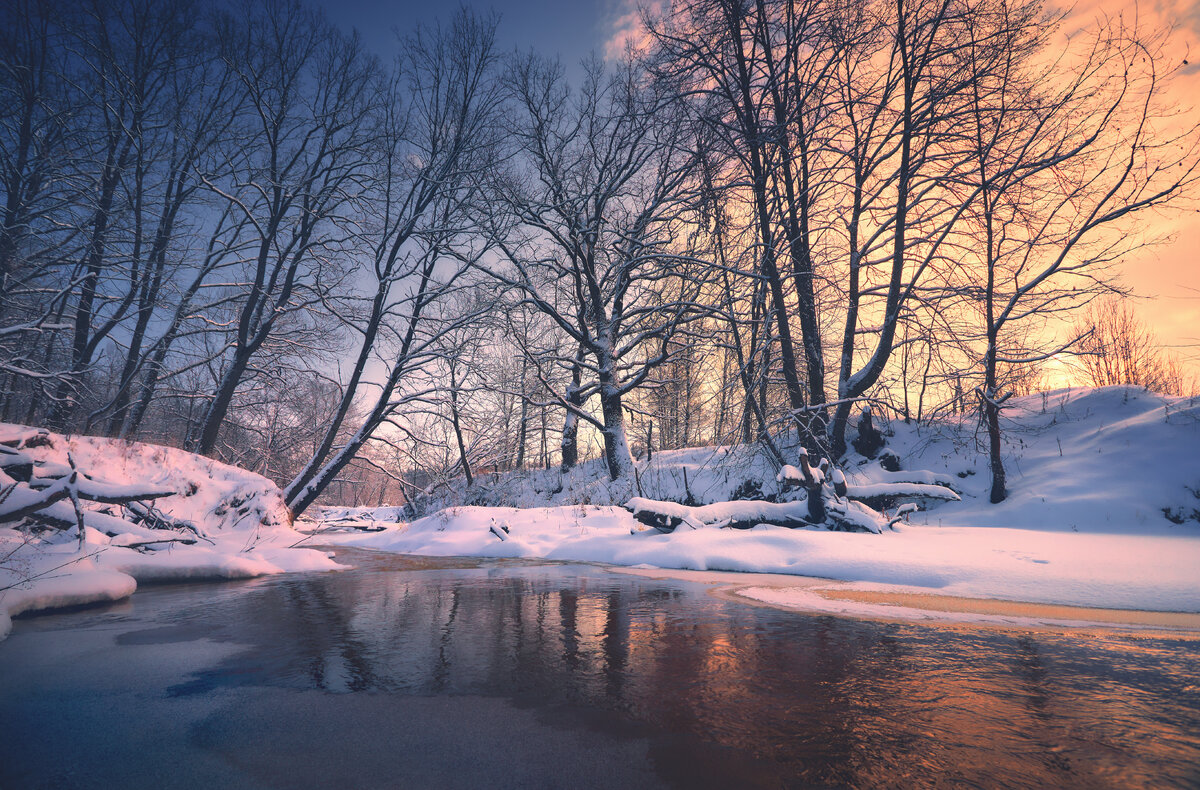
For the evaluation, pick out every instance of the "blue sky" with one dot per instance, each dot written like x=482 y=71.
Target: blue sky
x=569 y=28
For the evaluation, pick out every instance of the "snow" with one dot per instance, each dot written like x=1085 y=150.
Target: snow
x=812 y=600
x=1090 y=474
x=1109 y=571
x=79 y=582
x=917 y=490
x=790 y=474
x=722 y=513
x=1106 y=460
x=1093 y=477
x=244 y=526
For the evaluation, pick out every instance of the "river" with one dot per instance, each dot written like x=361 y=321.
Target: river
x=493 y=674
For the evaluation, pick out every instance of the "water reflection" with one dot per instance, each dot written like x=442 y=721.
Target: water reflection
x=791 y=700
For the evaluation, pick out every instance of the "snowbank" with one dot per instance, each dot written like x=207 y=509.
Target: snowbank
x=1103 y=511
x=1109 y=571
x=218 y=496
x=243 y=524
x=1113 y=459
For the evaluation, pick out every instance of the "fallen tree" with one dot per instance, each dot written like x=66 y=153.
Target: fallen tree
x=828 y=501
x=52 y=495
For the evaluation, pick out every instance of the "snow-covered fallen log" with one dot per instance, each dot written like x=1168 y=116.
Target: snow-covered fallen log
x=21 y=436
x=61 y=515
x=106 y=493
x=828 y=501
x=841 y=514
x=920 y=476
x=869 y=491
x=43 y=500
x=743 y=514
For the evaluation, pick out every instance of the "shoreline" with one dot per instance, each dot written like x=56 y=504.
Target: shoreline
x=821 y=596
x=825 y=596
x=809 y=595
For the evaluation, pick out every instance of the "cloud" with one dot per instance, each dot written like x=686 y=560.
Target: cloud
x=625 y=28
x=1184 y=13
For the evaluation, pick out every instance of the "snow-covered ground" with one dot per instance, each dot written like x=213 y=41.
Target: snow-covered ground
x=241 y=516
x=1098 y=481
x=1103 y=511
x=1130 y=571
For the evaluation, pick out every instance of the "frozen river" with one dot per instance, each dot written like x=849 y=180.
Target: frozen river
x=414 y=673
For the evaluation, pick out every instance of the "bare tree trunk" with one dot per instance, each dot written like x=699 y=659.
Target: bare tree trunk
x=570 y=432
x=456 y=421
x=616 y=443
x=523 y=420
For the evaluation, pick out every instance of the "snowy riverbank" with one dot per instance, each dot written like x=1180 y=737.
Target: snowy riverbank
x=1103 y=511
x=1079 y=569
x=1104 y=492
x=240 y=524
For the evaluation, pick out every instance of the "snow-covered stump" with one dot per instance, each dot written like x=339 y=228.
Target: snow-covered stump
x=869 y=440
x=837 y=504
x=826 y=497
x=812 y=480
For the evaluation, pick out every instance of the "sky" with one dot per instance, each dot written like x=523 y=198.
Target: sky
x=568 y=28
x=1165 y=278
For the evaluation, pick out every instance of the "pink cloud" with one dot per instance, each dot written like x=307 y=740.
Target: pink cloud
x=627 y=30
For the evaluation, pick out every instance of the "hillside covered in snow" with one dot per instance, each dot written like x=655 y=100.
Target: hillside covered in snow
x=1115 y=459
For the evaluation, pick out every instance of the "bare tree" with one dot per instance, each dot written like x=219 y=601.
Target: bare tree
x=435 y=134
x=200 y=100
x=304 y=148
x=38 y=177
x=1117 y=347
x=836 y=118
x=744 y=61
x=126 y=54
x=594 y=199
x=1064 y=157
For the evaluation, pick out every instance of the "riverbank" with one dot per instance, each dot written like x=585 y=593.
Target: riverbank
x=1102 y=512
x=846 y=599
x=1105 y=571
x=814 y=595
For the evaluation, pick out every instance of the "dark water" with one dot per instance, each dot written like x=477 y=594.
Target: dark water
x=553 y=676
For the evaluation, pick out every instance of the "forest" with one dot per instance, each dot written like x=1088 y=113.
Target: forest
x=231 y=228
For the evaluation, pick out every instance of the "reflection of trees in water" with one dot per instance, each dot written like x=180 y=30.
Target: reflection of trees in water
x=823 y=699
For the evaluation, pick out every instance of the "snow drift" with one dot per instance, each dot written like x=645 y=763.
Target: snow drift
x=216 y=521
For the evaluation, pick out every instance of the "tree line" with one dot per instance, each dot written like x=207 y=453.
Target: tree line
x=230 y=227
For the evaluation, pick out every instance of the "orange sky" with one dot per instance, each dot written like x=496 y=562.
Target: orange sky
x=1167 y=277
